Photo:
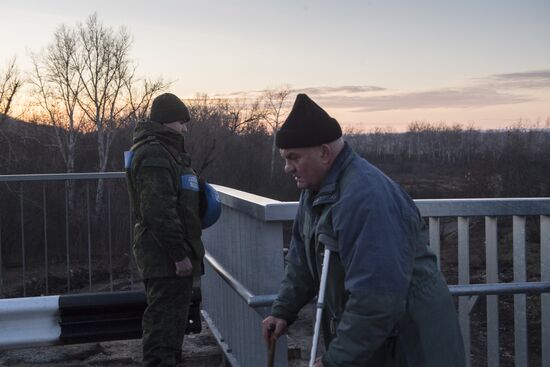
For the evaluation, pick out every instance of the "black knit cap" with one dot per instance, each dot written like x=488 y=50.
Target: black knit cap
x=307 y=125
x=168 y=108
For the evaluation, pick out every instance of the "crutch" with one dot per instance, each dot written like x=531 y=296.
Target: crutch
x=320 y=307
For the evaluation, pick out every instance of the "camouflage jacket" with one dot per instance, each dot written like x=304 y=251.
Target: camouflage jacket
x=164 y=192
x=386 y=303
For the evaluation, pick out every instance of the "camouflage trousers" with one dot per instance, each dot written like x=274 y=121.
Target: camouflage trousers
x=165 y=319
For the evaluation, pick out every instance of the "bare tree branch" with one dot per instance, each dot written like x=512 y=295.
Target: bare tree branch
x=276 y=106
x=10 y=83
x=85 y=81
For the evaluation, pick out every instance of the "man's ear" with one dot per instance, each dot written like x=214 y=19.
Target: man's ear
x=326 y=153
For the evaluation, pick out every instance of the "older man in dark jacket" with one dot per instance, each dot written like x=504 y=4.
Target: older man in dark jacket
x=164 y=192
x=387 y=304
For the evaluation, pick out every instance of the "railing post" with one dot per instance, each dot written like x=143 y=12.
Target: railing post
x=22 y=218
x=109 y=230
x=67 y=253
x=520 y=300
x=491 y=259
x=435 y=238
x=545 y=297
x=464 y=278
x=45 y=219
x=89 y=232
x=131 y=249
x=1 y=267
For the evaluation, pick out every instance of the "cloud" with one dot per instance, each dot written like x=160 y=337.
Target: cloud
x=238 y=94
x=442 y=98
x=349 y=89
x=317 y=91
x=535 y=79
x=492 y=90
x=361 y=99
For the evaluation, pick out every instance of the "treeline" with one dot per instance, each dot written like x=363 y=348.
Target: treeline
x=235 y=150
x=438 y=160
x=455 y=144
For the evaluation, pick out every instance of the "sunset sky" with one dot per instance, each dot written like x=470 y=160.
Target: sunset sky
x=368 y=63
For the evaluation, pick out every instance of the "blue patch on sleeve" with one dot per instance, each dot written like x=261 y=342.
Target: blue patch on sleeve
x=189 y=182
x=128 y=155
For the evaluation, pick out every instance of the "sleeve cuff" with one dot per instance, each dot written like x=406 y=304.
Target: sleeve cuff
x=177 y=254
x=281 y=313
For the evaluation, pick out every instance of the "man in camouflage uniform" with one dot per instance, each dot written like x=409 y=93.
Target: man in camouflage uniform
x=386 y=302
x=164 y=192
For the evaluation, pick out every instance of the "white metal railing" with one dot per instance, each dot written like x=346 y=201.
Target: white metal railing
x=265 y=211
x=245 y=265
x=30 y=323
x=247 y=244
x=491 y=210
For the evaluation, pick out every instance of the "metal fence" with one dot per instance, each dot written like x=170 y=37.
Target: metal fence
x=243 y=272
x=493 y=210
x=245 y=259
x=53 y=230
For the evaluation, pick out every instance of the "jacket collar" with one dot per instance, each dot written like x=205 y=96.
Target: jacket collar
x=327 y=194
x=170 y=139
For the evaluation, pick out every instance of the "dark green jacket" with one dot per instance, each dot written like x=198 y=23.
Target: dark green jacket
x=164 y=192
x=387 y=304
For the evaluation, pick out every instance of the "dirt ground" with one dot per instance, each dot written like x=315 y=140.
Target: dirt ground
x=200 y=350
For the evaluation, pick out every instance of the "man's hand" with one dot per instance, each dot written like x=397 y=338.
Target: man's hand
x=184 y=268
x=318 y=362
x=275 y=331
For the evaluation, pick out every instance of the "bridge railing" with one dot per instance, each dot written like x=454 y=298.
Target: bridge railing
x=56 y=239
x=492 y=212
x=244 y=267
x=244 y=264
x=439 y=213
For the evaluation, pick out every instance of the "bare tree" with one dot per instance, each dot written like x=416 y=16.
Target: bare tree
x=10 y=83
x=108 y=79
x=140 y=97
x=86 y=81
x=275 y=102
x=103 y=68
x=206 y=120
x=56 y=89
x=240 y=115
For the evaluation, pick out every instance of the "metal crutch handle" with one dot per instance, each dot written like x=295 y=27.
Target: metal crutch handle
x=320 y=307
